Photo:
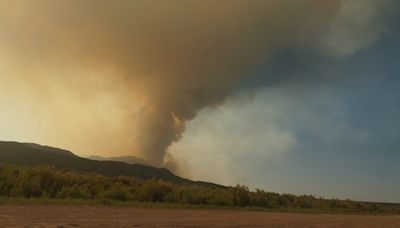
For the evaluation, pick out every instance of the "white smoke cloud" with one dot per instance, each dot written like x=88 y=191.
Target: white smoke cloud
x=245 y=126
x=358 y=24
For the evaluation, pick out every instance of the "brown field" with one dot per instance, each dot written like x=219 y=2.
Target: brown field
x=102 y=216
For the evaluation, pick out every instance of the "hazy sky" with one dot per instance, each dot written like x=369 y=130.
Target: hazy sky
x=338 y=138
x=290 y=96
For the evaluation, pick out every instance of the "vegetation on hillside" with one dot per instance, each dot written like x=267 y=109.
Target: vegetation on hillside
x=33 y=155
x=51 y=183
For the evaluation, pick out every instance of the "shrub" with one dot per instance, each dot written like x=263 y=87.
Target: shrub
x=49 y=182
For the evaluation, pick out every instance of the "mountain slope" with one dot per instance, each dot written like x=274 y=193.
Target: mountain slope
x=26 y=154
x=126 y=159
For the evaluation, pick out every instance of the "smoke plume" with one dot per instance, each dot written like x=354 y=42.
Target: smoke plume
x=162 y=61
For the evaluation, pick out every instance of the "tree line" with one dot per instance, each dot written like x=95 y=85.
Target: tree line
x=49 y=182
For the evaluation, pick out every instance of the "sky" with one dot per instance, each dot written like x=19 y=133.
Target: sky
x=295 y=97
x=335 y=138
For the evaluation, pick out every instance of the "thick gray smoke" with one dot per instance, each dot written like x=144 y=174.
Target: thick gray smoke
x=176 y=56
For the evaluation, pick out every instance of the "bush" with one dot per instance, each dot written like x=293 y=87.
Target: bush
x=49 y=182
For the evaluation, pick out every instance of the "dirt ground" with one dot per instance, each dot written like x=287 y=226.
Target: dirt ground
x=101 y=216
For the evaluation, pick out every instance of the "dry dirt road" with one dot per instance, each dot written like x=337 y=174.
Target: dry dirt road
x=101 y=216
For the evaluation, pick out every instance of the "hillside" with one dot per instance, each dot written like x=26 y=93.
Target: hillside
x=27 y=154
x=126 y=159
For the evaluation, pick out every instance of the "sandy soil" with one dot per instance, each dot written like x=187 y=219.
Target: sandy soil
x=92 y=216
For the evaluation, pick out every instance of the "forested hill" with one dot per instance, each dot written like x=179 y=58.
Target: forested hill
x=28 y=154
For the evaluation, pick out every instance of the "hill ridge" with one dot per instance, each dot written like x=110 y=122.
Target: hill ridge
x=30 y=154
